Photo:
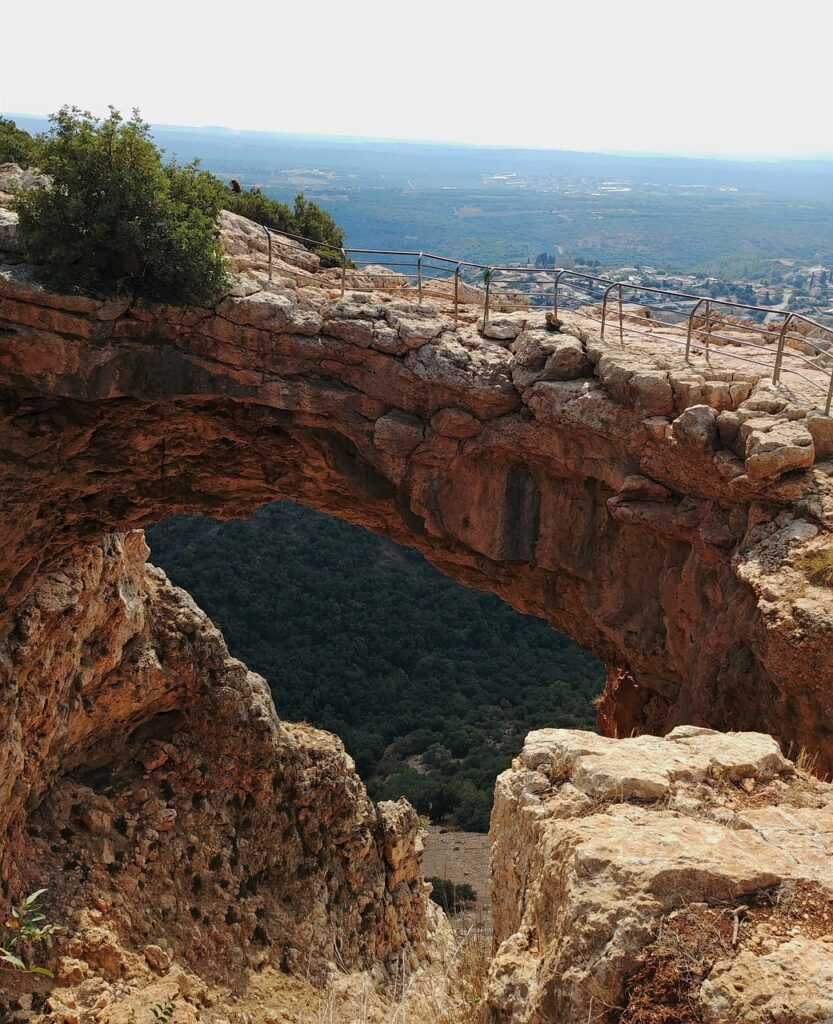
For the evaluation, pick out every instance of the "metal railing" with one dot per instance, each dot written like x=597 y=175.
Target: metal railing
x=697 y=326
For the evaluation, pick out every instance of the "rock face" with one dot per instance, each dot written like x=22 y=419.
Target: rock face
x=666 y=515
x=634 y=876
x=147 y=780
x=660 y=513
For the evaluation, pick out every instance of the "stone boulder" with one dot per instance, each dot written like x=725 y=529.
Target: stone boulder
x=9 y=234
x=616 y=863
x=793 y=983
x=544 y=355
x=696 y=427
x=776 y=448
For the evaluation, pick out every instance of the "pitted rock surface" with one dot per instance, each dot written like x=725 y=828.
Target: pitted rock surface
x=509 y=462
x=597 y=843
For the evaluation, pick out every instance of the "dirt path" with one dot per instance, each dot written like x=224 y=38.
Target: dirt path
x=461 y=857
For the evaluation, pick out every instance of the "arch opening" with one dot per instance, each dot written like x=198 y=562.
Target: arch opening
x=431 y=685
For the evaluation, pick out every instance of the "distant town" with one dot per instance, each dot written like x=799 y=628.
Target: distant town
x=789 y=285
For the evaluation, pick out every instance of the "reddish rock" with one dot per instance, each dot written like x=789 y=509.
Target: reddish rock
x=576 y=499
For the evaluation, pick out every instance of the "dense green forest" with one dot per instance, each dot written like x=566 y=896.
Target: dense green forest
x=431 y=686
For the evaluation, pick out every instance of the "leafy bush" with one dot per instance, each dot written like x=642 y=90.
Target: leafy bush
x=17 y=146
x=116 y=218
x=252 y=203
x=26 y=926
x=451 y=896
x=474 y=809
x=313 y=222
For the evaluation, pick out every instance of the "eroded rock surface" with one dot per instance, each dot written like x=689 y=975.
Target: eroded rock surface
x=672 y=517
x=510 y=462
x=148 y=782
x=632 y=876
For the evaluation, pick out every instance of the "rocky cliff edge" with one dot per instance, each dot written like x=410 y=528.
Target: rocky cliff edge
x=673 y=517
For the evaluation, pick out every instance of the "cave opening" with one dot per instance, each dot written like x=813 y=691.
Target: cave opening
x=431 y=686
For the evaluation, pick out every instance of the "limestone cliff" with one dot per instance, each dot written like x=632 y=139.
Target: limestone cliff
x=663 y=514
x=658 y=512
x=148 y=781
x=685 y=879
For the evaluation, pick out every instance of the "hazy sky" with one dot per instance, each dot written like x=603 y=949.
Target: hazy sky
x=737 y=77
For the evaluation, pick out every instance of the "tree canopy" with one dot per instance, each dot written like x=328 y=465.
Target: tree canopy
x=16 y=145
x=118 y=219
x=431 y=686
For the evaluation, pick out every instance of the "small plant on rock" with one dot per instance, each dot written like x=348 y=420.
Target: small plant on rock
x=819 y=567
x=161 y=1013
x=25 y=927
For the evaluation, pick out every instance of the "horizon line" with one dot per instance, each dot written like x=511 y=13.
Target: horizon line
x=810 y=157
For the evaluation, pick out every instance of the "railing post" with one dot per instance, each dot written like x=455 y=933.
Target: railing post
x=697 y=305
x=456 y=293
x=708 y=327
x=555 y=293
x=829 y=395
x=489 y=272
x=782 y=342
x=343 y=271
x=608 y=290
x=621 y=335
x=269 y=246
x=419 y=278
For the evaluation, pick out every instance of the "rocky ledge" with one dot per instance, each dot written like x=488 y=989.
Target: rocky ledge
x=685 y=879
x=675 y=518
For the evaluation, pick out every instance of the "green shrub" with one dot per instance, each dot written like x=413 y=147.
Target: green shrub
x=451 y=896
x=252 y=203
x=313 y=222
x=25 y=927
x=17 y=146
x=117 y=219
x=474 y=810
x=307 y=219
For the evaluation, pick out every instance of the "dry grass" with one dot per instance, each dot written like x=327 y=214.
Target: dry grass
x=809 y=763
x=665 y=988
x=470 y=971
x=447 y=993
x=818 y=567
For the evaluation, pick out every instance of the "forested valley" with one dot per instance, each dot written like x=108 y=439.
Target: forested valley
x=430 y=685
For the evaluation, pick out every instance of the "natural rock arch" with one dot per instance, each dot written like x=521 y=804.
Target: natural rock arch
x=592 y=484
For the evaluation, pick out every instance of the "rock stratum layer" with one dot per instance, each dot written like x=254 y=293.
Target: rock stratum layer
x=660 y=513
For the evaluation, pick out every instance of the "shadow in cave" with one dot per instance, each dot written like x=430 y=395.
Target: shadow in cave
x=431 y=686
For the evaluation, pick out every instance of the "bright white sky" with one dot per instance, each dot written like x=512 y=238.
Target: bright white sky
x=740 y=77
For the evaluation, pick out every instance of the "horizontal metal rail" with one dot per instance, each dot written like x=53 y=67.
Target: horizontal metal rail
x=701 y=320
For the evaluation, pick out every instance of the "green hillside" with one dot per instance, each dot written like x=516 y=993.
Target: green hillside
x=431 y=686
